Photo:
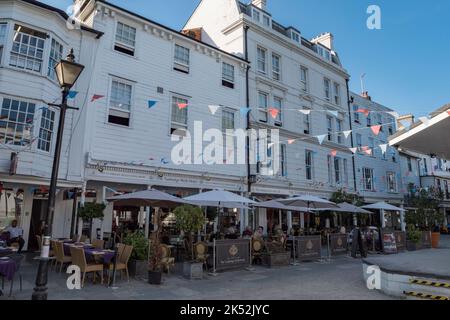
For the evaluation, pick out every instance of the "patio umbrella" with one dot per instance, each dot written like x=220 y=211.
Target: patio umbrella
x=310 y=202
x=148 y=198
x=276 y=204
x=383 y=206
x=347 y=207
x=219 y=198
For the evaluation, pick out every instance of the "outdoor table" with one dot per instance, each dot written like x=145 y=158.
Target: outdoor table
x=8 y=268
x=5 y=251
x=91 y=253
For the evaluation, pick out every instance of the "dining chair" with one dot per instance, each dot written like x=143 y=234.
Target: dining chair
x=79 y=259
x=120 y=250
x=122 y=261
x=60 y=257
x=201 y=253
x=167 y=261
x=18 y=259
x=75 y=237
x=98 y=244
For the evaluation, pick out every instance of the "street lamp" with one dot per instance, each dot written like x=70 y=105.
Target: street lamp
x=67 y=72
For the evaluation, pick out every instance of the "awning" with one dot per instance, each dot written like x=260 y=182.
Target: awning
x=382 y=206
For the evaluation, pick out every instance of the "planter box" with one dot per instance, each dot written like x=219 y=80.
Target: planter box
x=193 y=270
x=137 y=268
x=411 y=246
x=277 y=259
x=154 y=277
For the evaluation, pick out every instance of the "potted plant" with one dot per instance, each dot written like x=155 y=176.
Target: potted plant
x=189 y=220
x=413 y=237
x=91 y=211
x=137 y=265
x=154 y=253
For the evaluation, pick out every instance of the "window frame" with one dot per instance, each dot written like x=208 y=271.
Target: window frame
x=327 y=89
x=261 y=110
x=15 y=123
x=337 y=93
x=278 y=121
x=392 y=175
x=52 y=61
x=41 y=140
x=258 y=61
x=339 y=129
x=337 y=170
x=366 y=181
x=118 y=109
x=4 y=41
x=41 y=37
x=304 y=83
x=276 y=70
x=178 y=65
x=309 y=166
x=228 y=82
x=283 y=160
x=127 y=49
x=175 y=125
x=330 y=128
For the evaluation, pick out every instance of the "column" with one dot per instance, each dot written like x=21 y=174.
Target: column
x=242 y=221
x=280 y=218
x=402 y=219
x=355 y=220
x=289 y=220
x=302 y=220
x=383 y=221
x=82 y=202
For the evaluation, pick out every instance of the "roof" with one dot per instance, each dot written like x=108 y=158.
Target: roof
x=63 y=14
x=171 y=30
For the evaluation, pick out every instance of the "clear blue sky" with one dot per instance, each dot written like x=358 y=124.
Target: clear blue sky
x=407 y=62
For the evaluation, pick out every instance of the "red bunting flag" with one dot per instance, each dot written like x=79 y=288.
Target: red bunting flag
x=291 y=141
x=333 y=153
x=182 y=106
x=364 y=149
x=274 y=112
x=368 y=152
x=448 y=111
x=96 y=97
x=365 y=111
x=376 y=129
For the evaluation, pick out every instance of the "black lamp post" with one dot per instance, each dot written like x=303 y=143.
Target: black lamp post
x=67 y=72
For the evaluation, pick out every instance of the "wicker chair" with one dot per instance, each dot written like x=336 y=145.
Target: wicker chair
x=201 y=253
x=122 y=260
x=83 y=238
x=167 y=261
x=257 y=249
x=98 y=244
x=79 y=259
x=60 y=257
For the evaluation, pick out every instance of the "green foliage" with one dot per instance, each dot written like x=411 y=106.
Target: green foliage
x=426 y=201
x=189 y=219
x=140 y=245
x=91 y=210
x=342 y=196
x=413 y=234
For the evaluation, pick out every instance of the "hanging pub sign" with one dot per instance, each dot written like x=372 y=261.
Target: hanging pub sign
x=338 y=243
x=389 y=243
x=426 y=239
x=309 y=248
x=232 y=254
x=400 y=240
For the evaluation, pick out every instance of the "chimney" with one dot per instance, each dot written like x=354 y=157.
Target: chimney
x=262 y=4
x=325 y=39
x=193 y=33
x=365 y=95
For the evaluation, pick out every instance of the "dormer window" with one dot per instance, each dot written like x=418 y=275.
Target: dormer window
x=266 y=20
x=323 y=52
x=295 y=36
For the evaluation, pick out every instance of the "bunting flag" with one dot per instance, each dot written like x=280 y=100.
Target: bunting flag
x=365 y=111
x=213 y=109
x=305 y=111
x=383 y=148
x=364 y=148
x=353 y=150
x=291 y=141
x=334 y=113
x=274 y=112
x=368 y=151
x=164 y=161
x=182 y=105
x=244 y=111
x=321 y=138
x=376 y=129
x=347 y=133
x=96 y=97
x=72 y=94
x=448 y=111
x=333 y=153
x=152 y=103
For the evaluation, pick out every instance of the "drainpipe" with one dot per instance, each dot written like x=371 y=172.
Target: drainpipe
x=247 y=97
x=351 y=134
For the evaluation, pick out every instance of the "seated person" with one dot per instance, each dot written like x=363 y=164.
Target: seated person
x=247 y=232
x=259 y=233
x=15 y=235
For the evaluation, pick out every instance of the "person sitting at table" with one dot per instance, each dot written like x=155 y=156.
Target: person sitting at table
x=247 y=232
x=259 y=233
x=15 y=235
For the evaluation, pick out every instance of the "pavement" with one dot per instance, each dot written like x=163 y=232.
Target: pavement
x=340 y=279
x=432 y=263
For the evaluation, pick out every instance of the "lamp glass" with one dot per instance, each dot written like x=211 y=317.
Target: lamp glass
x=67 y=73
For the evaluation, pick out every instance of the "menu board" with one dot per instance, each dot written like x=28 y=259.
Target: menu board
x=338 y=243
x=389 y=243
x=308 y=247
x=232 y=254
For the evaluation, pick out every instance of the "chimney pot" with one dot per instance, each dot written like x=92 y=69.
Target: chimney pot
x=262 y=4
